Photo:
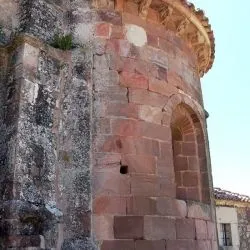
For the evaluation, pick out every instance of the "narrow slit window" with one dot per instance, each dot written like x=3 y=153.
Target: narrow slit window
x=226 y=234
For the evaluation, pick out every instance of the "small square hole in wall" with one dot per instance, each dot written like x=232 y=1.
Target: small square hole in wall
x=124 y=169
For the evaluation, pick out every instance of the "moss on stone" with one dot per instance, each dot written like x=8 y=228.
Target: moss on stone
x=62 y=42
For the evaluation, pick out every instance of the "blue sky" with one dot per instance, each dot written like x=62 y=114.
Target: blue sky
x=226 y=93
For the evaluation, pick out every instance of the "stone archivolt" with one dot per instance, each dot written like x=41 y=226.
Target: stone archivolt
x=187 y=22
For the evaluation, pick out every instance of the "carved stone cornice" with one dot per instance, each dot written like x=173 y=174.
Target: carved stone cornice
x=185 y=20
x=191 y=25
x=143 y=8
x=165 y=12
x=188 y=23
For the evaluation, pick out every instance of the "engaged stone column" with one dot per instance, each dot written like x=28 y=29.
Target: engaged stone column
x=151 y=170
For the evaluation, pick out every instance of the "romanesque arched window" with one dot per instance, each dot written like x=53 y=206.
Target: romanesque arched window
x=189 y=154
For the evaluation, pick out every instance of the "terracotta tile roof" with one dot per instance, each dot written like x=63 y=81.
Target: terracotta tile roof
x=222 y=194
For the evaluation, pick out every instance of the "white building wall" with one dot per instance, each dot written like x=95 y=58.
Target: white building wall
x=228 y=215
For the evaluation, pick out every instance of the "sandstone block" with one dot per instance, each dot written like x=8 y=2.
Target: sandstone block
x=165 y=45
x=104 y=160
x=211 y=230
x=189 y=148
x=165 y=168
x=139 y=163
x=110 y=17
x=215 y=245
x=141 y=96
x=133 y=80
x=126 y=127
x=181 y=244
x=110 y=182
x=171 y=207
x=128 y=110
x=193 y=193
x=117 y=32
x=185 y=229
x=152 y=40
x=109 y=205
x=181 y=192
x=177 y=148
x=117 y=144
x=103 y=226
x=139 y=205
x=203 y=245
x=157 y=56
x=161 y=87
x=181 y=163
x=201 y=229
x=147 y=146
x=103 y=30
x=146 y=185
x=155 y=131
x=193 y=163
x=150 y=114
x=167 y=188
x=150 y=245
x=99 y=46
x=166 y=150
x=157 y=228
x=128 y=227
x=199 y=211
x=124 y=48
x=117 y=244
x=190 y=178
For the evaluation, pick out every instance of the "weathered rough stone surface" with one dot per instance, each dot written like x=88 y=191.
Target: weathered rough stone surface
x=52 y=176
x=244 y=227
x=8 y=20
x=199 y=211
x=74 y=151
x=81 y=244
x=41 y=18
x=9 y=113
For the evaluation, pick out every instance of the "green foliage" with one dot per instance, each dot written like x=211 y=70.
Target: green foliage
x=63 y=42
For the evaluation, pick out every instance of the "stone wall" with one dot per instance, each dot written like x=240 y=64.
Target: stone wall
x=92 y=153
x=244 y=227
x=46 y=119
x=142 y=77
x=8 y=20
x=45 y=176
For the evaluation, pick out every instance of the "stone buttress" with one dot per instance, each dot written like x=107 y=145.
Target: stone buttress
x=104 y=145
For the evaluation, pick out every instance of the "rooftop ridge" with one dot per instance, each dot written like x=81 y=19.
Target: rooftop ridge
x=222 y=194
